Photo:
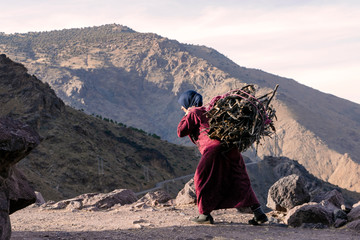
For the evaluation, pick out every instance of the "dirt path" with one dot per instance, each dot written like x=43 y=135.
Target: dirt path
x=129 y=222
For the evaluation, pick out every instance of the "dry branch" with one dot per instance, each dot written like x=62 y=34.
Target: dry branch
x=239 y=118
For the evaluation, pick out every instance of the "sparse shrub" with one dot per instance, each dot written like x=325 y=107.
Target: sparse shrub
x=137 y=129
x=154 y=135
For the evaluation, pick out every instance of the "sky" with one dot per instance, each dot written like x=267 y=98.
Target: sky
x=314 y=42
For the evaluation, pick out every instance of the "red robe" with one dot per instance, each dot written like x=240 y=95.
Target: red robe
x=221 y=180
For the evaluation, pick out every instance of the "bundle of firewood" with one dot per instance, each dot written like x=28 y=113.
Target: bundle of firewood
x=241 y=119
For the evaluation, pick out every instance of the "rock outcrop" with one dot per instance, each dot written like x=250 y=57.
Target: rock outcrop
x=354 y=214
x=332 y=200
x=94 y=201
x=153 y=199
x=5 y=226
x=39 y=198
x=309 y=213
x=355 y=225
x=187 y=195
x=288 y=192
x=356 y=205
x=16 y=141
x=272 y=169
x=21 y=194
x=326 y=209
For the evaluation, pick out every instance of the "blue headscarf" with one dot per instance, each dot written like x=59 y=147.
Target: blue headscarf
x=190 y=98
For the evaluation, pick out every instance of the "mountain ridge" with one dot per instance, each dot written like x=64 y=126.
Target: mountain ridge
x=135 y=78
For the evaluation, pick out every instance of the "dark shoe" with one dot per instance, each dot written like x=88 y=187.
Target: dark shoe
x=258 y=220
x=203 y=219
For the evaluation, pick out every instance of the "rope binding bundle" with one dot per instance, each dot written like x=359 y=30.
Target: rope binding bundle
x=239 y=118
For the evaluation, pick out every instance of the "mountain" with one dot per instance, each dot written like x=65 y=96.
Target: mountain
x=135 y=78
x=81 y=153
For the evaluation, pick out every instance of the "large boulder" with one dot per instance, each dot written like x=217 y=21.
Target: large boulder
x=334 y=202
x=95 y=201
x=354 y=218
x=326 y=211
x=187 y=195
x=354 y=214
x=21 y=194
x=354 y=225
x=309 y=213
x=333 y=199
x=287 y=192
x=16 y=141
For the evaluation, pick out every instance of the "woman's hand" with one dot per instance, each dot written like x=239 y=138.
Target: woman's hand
x=185 y=110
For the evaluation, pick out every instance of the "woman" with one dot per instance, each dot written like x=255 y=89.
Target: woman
x=221 y=180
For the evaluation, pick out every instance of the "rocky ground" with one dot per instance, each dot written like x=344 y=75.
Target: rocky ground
x=139 y=221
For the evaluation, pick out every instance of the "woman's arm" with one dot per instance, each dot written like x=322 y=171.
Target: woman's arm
x=187 y=124
x=184 y=127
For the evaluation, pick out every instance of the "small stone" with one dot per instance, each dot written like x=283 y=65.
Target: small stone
x=273 y=220
x=139 y=205
x=139 y=221
x=345 y=208
x=338 y=213
x=39 y=198
x=74 y=205
x=139 y=226
x=339 y=222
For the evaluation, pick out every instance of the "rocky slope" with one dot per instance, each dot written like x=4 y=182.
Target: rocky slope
x=81 y=153
x=265 y=173
x=135 y=78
